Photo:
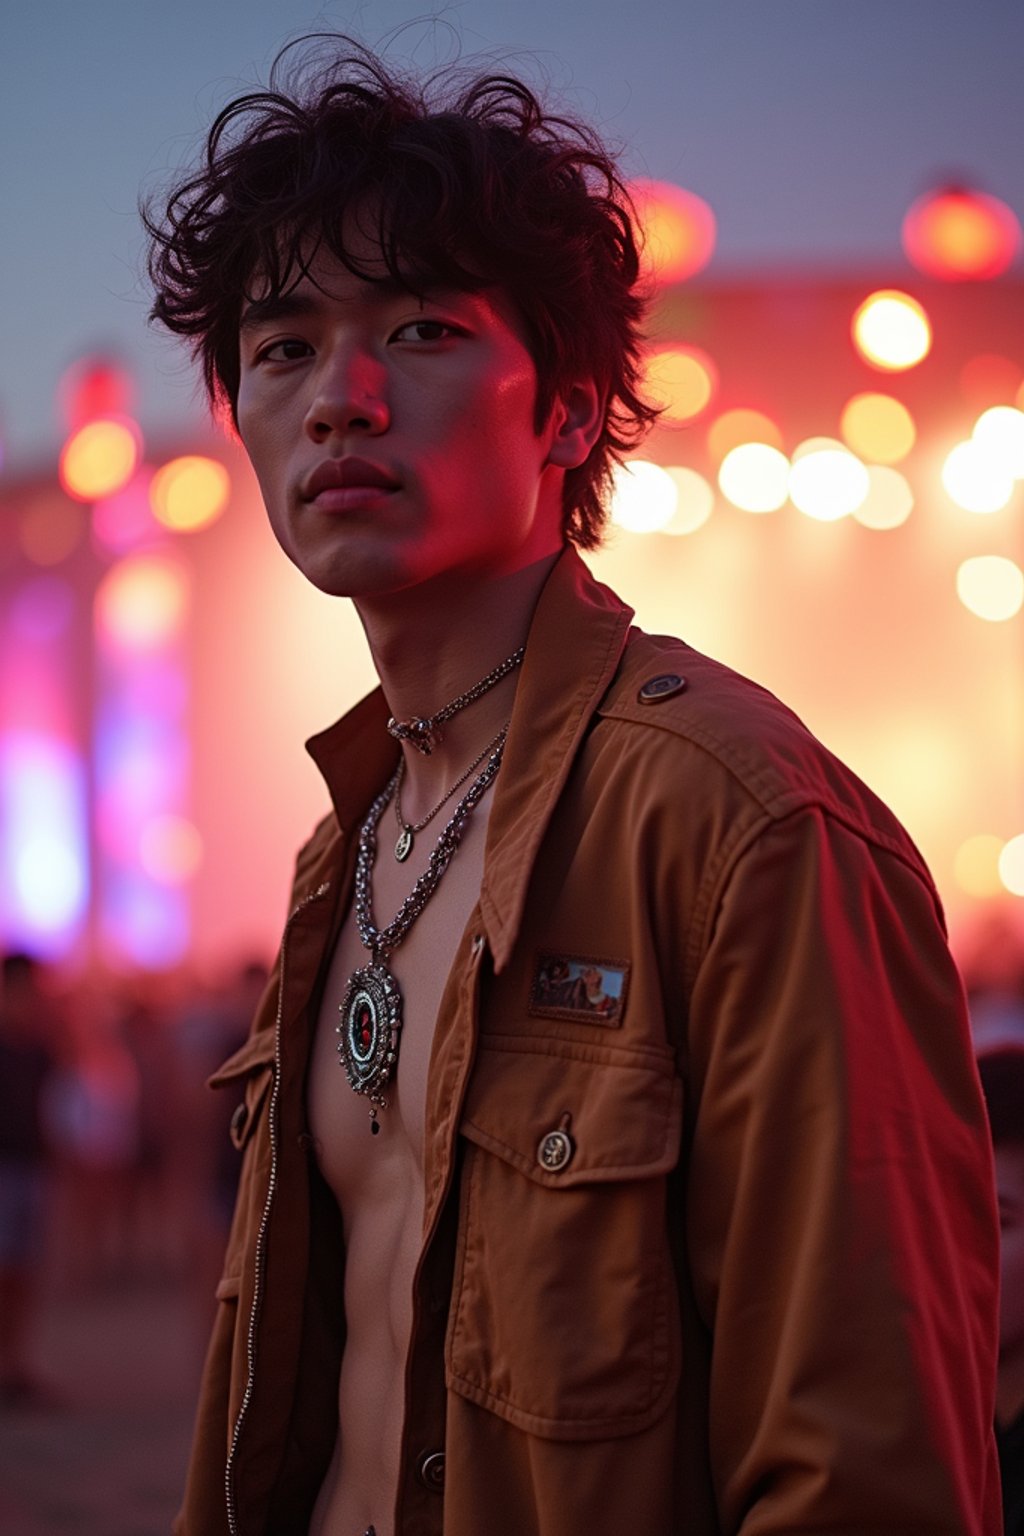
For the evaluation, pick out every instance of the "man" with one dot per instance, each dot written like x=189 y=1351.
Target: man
x=721 y=1258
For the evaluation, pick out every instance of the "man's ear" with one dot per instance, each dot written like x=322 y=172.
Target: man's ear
x=575 y=424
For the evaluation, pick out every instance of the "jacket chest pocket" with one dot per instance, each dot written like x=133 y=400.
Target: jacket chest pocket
x=564 y=1318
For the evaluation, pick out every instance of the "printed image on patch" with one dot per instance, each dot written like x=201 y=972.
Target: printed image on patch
x=579 y=988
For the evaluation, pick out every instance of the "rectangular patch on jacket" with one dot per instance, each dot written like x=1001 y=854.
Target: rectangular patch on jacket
x=579 y=988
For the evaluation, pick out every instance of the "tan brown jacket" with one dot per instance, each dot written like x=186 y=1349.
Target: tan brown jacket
x=759 y=1296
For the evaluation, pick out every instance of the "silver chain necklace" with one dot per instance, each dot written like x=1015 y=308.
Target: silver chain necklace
x=422 y=731
x=371 y=1010
x=407 y=829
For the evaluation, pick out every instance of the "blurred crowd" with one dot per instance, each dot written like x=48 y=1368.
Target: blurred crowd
x=116 y=1163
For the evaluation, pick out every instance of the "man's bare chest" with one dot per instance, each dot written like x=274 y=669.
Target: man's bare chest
x=421 y=964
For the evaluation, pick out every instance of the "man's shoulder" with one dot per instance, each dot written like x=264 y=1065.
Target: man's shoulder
x=732 y=739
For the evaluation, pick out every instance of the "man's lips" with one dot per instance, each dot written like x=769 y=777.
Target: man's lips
x=348 y=475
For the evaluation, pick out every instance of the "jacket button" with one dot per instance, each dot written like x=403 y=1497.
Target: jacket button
x=238 y=1120
x=430 y=1470
x=662 y=687
x=555 y=1151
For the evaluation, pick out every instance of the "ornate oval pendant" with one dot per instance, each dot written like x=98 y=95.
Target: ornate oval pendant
x=403 y=847
x=371 y=1017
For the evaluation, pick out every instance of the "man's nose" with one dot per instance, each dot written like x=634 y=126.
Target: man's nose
x=350 y=397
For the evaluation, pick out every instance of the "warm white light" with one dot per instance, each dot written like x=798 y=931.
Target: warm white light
x=1011 y=865
x=974 y=481
x=755 y=477
x=976 y=865
x=999 y=432
x=816 y=445
x=889 y=502
x=878 y=428
x=189 y=493
x=892 y=331
x=643 y=496
x=827 y=483
x=991 y=587
x=695 y=503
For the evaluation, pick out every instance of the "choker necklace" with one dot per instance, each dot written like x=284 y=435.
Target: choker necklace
x=408 y=830
x=423 y=731
x=371 y=1010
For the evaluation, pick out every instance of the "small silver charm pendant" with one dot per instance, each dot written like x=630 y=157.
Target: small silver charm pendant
x=403 y=847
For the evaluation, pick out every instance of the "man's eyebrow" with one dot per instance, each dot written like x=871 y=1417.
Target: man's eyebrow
x=278 y=306
x=299 y=306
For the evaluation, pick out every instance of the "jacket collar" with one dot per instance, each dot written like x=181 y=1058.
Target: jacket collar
x=573 y=648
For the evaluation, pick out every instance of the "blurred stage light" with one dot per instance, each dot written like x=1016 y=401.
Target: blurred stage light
x=999 y=433
x=889 y=502
x=695 y=501
x=189 y=493
x=991 y=586
x=755 y=477
x=170 y=849
x=878 y=428
x=122 y=521
x=976 y=866
x=974 y=481
x=44 y=847
x=677 y=230
x=827 y=483
x=891 y=331
x=959 y=234
x=41 y=612
x=739 y=426
x=643 y=496
x=142 y=602
x=100 y=458
x=92 y=387
x=681 y=380
x=1011 y=865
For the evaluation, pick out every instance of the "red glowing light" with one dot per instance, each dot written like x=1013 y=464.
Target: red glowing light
x=677 y=229
x=989 y=379
x=958 y=234
x=92 y=387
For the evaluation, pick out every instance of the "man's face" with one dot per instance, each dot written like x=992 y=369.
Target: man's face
x=394 y=439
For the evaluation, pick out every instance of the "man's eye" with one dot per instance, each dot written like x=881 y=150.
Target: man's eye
x=424 y=330
x=288 y=351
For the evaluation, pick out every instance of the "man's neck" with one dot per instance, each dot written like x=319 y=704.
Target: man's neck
x=430 y=645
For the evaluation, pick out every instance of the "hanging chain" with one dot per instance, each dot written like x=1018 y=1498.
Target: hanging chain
x=417 y=826
x=381 y=941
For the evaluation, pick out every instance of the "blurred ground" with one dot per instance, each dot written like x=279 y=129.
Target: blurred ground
x=121 y=1361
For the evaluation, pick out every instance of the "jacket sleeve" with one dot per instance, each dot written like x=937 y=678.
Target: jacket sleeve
x=841 y=1224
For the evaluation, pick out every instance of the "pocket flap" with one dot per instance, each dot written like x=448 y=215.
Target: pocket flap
x=620 y=1117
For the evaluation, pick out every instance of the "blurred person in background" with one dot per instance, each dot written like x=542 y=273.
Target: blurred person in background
x=27 y=1028
x=91 y=1114
x=707 y=1245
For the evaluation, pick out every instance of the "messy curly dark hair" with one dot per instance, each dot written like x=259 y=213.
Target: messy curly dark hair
x=471 y=184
